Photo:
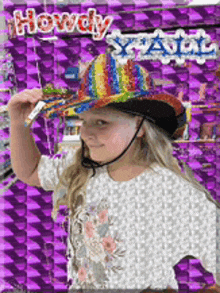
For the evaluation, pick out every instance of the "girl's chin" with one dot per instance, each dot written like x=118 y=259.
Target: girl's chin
x=97 y=159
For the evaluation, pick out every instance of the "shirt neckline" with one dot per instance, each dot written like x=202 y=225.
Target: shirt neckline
x=155 y=166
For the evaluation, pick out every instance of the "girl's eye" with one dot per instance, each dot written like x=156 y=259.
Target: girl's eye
x=102 y=122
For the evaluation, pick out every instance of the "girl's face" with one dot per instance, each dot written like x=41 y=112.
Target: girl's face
x=107 y=132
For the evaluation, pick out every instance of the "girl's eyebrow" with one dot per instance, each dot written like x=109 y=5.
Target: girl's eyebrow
x=95 y=113
x=91 y=116
x=102 y=115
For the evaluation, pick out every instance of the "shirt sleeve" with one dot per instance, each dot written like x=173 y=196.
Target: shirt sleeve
x=198 y=238
x=48 y=165
x=205 y=231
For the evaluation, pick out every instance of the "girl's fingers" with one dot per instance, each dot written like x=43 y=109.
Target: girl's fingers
x=32 y=96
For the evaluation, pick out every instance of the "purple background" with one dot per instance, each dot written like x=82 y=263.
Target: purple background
x=35 y=245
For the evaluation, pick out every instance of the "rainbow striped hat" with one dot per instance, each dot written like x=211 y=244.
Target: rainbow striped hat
x=106 y=81
x=129 y=88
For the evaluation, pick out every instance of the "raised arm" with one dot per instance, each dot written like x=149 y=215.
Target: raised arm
x=25 y=155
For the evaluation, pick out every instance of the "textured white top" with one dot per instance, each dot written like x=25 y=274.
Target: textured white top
x=135 y=231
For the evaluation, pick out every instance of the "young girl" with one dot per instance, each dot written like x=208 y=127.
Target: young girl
x=133 y=214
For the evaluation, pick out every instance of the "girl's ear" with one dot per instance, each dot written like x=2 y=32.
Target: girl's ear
x=141 y=130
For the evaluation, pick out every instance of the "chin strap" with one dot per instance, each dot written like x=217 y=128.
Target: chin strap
x=90 y=164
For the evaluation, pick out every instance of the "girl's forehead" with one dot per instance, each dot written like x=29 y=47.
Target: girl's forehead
x=108 y=113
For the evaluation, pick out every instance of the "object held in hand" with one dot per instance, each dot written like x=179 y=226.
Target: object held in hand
x=55 y=101
x=51 y=91
x=34 y=113
x=62 y=102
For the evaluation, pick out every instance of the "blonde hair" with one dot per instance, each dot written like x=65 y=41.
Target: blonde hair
x=153 y=147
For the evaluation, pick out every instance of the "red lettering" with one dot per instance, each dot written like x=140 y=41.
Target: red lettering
x=92 y=14
x=67 y=22
x=41 y=23
x=81 y=23
x=90 y=23
x=102 y=26
x=21 y=21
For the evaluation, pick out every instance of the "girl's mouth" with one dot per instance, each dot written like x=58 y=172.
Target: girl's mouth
x=95 y=146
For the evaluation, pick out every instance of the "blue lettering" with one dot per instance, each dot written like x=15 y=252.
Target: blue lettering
x=123 y=52
x=178 y=52
x=158 y=46
x=157 y=40
x=143 y=41
x=200 y=53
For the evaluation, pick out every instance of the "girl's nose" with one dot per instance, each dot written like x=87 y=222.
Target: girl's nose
x=86 y=132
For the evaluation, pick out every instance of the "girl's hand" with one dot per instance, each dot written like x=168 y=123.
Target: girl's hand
x=22 y=104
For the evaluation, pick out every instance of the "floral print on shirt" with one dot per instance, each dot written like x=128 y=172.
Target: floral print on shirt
x=96 y=251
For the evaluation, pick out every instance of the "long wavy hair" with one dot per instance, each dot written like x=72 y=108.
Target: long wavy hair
x=153 y=147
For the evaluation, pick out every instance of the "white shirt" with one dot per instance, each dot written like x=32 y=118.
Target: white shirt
x=135 y=231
